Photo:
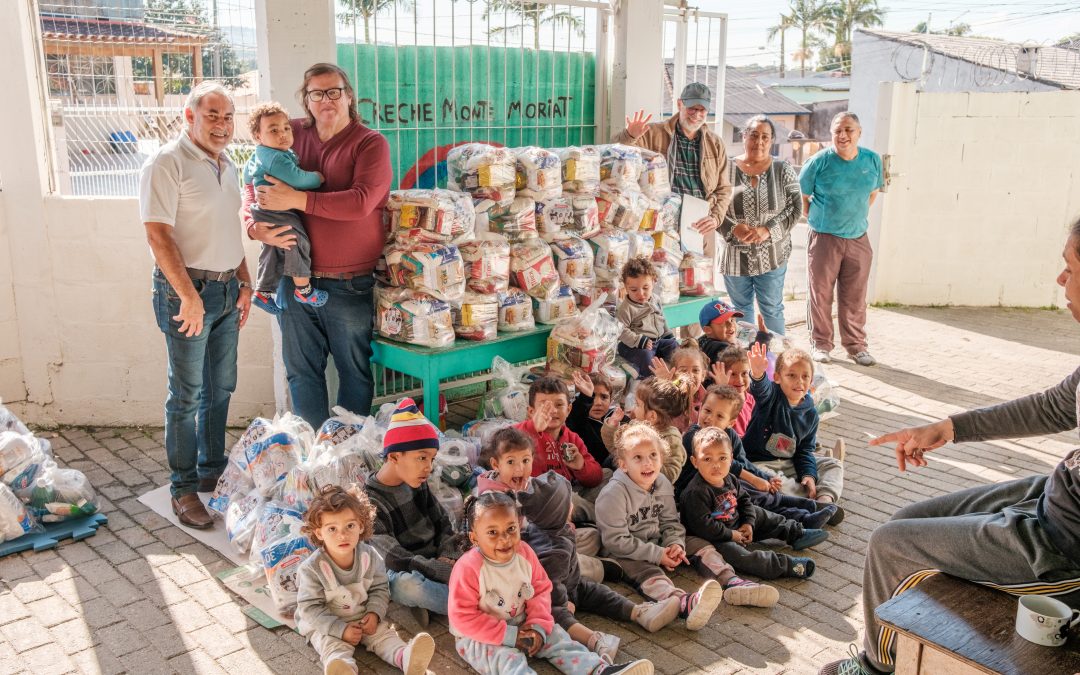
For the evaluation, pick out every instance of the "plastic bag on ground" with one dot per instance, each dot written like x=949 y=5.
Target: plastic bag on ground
x=59 y=494
x=654 y=181
x=425 y=267
x=696 y=275
x=667 y=287
x=620 y=166
x=234 y=482
x=296 y=489
x=241 y=517
x=280 y=547
x=430 y=215
x=553 y=216
x=487 y=263
x=574 y=261
x=611 y=251
x=484 y=171
x=515 y=311
x=414 y=318
x=24 y=458
x=509 y=396
x=825 y=392
x=580 y=169
x=15 y=519
x=277 y=451
x=340 y=433
x=9 y=422
x=563 y=305
x=539 y=173
x=477 y=317
x=532 y=268
x=584 y=342
x=482 y=429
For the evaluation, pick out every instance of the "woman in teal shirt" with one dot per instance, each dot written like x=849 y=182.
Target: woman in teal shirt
x=838 y=185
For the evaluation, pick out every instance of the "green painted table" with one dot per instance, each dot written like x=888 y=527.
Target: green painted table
x=431 y=366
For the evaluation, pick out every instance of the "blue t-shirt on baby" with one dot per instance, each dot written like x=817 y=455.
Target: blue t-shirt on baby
x=840 y=191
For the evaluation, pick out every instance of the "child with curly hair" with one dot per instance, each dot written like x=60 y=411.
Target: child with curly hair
x=645 y=333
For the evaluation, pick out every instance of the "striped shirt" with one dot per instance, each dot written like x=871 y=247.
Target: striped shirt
x=686 y=165
x=776 y=203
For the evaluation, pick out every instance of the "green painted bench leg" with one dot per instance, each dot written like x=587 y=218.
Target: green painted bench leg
x=431 y=393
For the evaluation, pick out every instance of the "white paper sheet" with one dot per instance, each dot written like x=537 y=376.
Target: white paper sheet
x=693 y=210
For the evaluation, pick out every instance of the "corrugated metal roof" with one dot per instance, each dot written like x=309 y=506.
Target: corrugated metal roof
x=742 y=94
x=111 y=30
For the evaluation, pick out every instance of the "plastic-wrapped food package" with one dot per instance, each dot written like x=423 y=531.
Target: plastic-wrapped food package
x=340 y=432
x=477 y=317
x=539 y=173
x=234 y=482
x=620 y=166
x=59 y=494
x=619 y=372
x=21 y=474
x=584 y=342
x=515 y=311
x=654 y=181
x=509 y=396
x=564 y=304
x=574 y=260
x=532 y=268
x=553 y=216
x=649 y=209
x=9 y=422
x=296 y=489
x=667 y=217
x=413 y=318
x=696 y=275
x=641 y=243
x=611 y=251
x=276 y=451
x=487 y=263
x=516 y=220
x=825 y=392
x=15 y=519
x=482 y=429
x=426 y=267
x=667 y=287
x=619 y=209
x=605 y=290
x=586 y=218
x=452 y=462
x=486 y=172
x=16 y=447
x=280 y=546
x=241 y=517
x=580 y=169
x=337 y=466
x=431 y=215
x=666 y=248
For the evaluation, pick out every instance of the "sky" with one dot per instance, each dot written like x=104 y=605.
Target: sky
x=1041 y=21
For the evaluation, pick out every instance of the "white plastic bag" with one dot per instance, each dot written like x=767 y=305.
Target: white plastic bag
x=612 y=250
x=532 y=268
x=486 y=172
x=432 y=268
x=584 y=342
x=25 y=456
x=487 y=263
x=654 y=180
x=574 y=261
x=539 y=173
x=15 y=519
x=825 y=392
x=619 y=208
x=580 y=169
x=430 y=215
x=9 y=422
x=667 y=287
x=553 y=216
x=477 y=317
x=16 y=447
x=516 y=221
x=415 y=318
x=234 y=482
x=563 y=305
x=667 y=217
x=620 y=166
x=280 y=446
x=696 y=275
x=515 y=311
x=241 y=517
x=280 y=547
x=641 y=243
x=509 y=396
x=59 y=494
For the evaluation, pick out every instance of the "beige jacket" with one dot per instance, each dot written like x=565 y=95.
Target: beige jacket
x=714 y=162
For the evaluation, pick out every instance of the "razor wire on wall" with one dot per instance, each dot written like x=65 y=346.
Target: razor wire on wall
x=961 y=64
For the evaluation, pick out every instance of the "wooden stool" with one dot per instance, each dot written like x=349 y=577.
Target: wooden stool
x=948 y=626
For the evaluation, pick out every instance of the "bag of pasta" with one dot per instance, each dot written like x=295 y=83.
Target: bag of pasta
x=585 y=342
x=611 y=251
x=539 y=173
x=484 y=171
x=430 y=215
x=553 y=216
x=620 y=166
x=425 y=267
x=414 y=318
x=574 y=260
x=516 y=221
x=696 y=275
x=515 y=311
x=564 y=304
x=654 y=181
x=487 y=263
x=477 y=317
x=580 y=169
x=532 y=268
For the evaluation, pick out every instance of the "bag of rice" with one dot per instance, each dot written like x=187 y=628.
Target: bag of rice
x=580 y=169
x=515 y=311
x=430 y=215
x=586 y=342
x=696 y=275
x=432 y=268
x=667 y=288
x=477 y=317
x=620 y=166
x=574 y=260
x=487 y=263
x=415 y=318
x=553 y=216
x=516 y=220
x=532 y=268
x=560 y=307
x=484 y=171
x=539 y=173
x=611 y=251
x=654 y=181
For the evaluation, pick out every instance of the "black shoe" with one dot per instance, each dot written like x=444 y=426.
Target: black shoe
x=612 y=571
x=837 y=517
x=209 y=483
x=639 y=667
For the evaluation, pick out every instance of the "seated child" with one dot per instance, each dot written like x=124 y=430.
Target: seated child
x=343 y=590
x=783 y=429
x=500 y=600
x=640 y=529
x=715 y=508
x=720 y=410
x=558 y=448
x=645 y=332
x=692 y=363
x=269 y=126
x=657 y=402
x=412 y=531
x=718 y=328
x=590 y=408
x=732 y=367
x=546 y=504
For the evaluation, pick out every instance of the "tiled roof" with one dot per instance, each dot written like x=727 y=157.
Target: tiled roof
x=114 y=31
x=1055 y=66
x=742 y=94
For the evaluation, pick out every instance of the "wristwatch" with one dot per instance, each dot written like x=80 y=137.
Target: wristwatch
x=245 y=284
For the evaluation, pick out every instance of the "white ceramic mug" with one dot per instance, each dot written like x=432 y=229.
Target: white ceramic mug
x=1045 y=621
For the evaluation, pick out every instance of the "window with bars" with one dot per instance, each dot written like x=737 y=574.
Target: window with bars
x=80 y=75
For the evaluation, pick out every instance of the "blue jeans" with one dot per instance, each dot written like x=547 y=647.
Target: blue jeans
x=342 y=327
x=202 y=378
x=641 y=359
x=769 y=289
x=412 y=589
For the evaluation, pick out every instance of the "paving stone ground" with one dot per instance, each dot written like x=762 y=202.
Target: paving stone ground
x=140 y=597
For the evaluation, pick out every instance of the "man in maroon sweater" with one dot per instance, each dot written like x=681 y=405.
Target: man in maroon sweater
x=344 y=223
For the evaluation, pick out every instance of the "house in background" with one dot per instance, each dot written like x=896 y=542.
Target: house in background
x=946 y=63
x=811 y=89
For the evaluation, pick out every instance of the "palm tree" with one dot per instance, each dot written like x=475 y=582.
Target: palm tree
x=354 y=10
x=807 y=16
x=843 y=17
x=780 y=29
x=532 y=14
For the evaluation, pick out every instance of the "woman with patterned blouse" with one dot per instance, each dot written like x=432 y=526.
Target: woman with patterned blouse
x=765 y=205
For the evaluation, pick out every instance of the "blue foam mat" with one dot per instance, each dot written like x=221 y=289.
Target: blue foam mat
x=75 y=529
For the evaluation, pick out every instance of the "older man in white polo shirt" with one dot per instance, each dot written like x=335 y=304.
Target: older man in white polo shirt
x=189 y=201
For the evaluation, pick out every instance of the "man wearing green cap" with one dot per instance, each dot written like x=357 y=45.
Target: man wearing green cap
x=697 y=160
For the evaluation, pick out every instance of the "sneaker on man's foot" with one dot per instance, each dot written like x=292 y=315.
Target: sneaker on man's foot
x=698 y=606
x=801 y=568
x=652 y=616
x=809 y=538
x=744 y=593
x=417 y=654
x=639 y=667
x=820 y=355
x=606 y=646
x=864 y=358
x=854 y=665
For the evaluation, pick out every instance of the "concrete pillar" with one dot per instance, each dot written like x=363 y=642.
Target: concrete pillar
x=25 y=167
x=638 y=62
x=292 y=36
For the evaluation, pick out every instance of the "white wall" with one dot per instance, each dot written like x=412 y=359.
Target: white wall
x=875 y=60
x=12 y=386
x=989 y=187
